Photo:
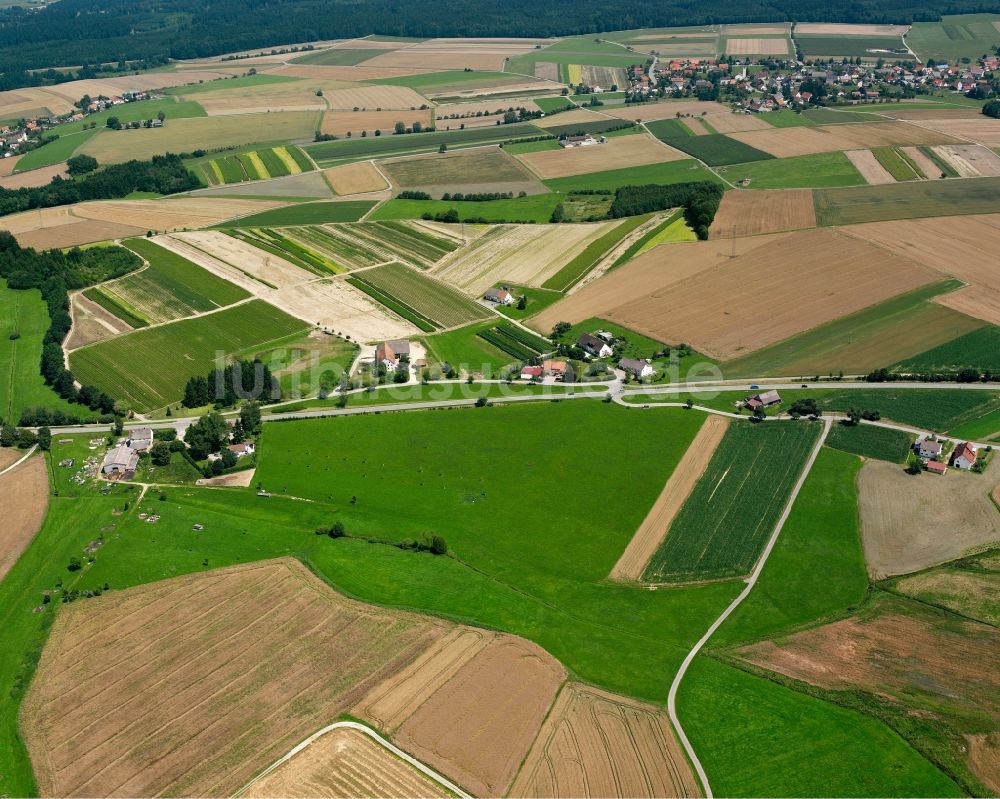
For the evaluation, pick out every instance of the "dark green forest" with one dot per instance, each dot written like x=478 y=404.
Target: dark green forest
x=104 y=31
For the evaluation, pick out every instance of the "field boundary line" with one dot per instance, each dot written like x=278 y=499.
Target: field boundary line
x=750 y=583
x=353 y=725
x=21 y=460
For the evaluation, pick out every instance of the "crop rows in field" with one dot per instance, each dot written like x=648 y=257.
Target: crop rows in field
x=721 y=528
x=432 y=301
x=882 y=443
x=148 y=368
x=277 y=243
x=360 y=244
x=515 y=341
x=169 y=288
x=272 y=162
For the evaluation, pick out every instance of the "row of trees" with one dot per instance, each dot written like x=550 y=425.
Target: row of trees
x=966 y=375
x=164 y=174
x=240 y=380
x=699 y=199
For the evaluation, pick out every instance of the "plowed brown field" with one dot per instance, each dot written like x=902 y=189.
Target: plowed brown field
x=193 y=685
x=597 y=744
x=748 y=213
x=478 y=726
x=653 y=529
x=344 y=763
x=24 y=497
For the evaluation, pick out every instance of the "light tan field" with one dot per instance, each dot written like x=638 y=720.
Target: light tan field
x=617 y=153
x=511 y=684
x=598 y=744
x=344 y=763
x=302 y=184
x=273 y=97
x=736 y=123
x=507 y=85
x=901 y=525
x=979 y=129
x=351 y=74
x=749 y=213
x=521 y=254
x=763 y=29
x=339 y=123
x=807 y=279
x=838 y=29
x=924 y=164
x=789 y=142
x=399 y=98
x=758 y=46
x=199 y=682
x=7 y=165
x=572 y=117
x=45 y=228
x=970 y=160
x=241 y=479
x=34 y=177
x=965 y=251
x=900 y=111
x=185 y=135
x=546 y=70
x=695 y=125
x=447 y=113
x=91 y=323
x=8 y=456
x=359 y=178
x=481 y=169
x=172 y=213
x=648 y=274
x=871 y=170
x=653 y=529
x=435 y=60
x=31 y=102
x=24 y=497
x=666 y=109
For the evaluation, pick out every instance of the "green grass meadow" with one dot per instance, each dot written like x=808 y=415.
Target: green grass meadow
x=822 y=170
x=670 y=172
x=715 y=149
x=317 y=213
x=911 y=200
x=869 y=441
x=978 y=349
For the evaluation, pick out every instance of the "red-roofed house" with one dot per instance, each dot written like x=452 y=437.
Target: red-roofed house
x=531 y=372
x=936 y=467
x=964 y=456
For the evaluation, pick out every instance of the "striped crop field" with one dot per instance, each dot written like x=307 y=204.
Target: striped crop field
x=722 y=526
x=431 y=300
x=271 y=162
x=360 y=244
x=149 y=368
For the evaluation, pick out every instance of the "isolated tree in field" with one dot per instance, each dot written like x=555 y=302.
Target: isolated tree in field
x=399 y=127
x=438 y=545
x=207 y=435
x=161 y=116
x=337 y=530
x=159 y=454
x=114 y=123
x=44 y=439
x=522 y=302
x=560 y=329
x=443 y=148
x=250 y=418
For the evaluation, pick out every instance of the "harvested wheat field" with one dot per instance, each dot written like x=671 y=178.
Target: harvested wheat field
x=758 y=46
x=525 y=255
x=9 y=456
x=478 y=726
x=35 y=102
x=981 y=129
x=871 y=170
x=487 y=169
x=737 y=123
x=91 y=323
x=927 y=663
x=653 y=529
x=616 y=153
x=344 y=763
x=335 y=305
x=261 y=98
x=970 y=160
x=350 y=74
x=394 y=98
x=901 y=522
x=171 y=214
x=924 y=164
x=339 y=123
x=976 y=301
x=303 y=184
x=8 y=164
x=33 y=177
x=749 y=213
x=839 y=29
x=756 y=29
x=575 y=116
x=900 y=111
x=359 y=178
x=72 y=234
x=789 y=142
x=599 y=744
x=803 y=281
x=199 y=682
x=24 y=497
x=649 y=273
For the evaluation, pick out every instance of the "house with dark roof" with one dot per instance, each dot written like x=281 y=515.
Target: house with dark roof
x=499 y=296
x=636 y=368
x=594 y=346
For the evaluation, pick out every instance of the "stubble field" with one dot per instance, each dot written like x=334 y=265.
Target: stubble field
x=749 y=213
x=359 y=178
x=617 y=153
x=24 y=496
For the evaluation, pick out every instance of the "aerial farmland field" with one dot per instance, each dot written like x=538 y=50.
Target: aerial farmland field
x=180 y=350
x=722 y=526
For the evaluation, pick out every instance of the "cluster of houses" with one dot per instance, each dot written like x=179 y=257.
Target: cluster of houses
x=964 y=456
x=776 y=84
x=600 y=345
x=13 y=137
x=121 y=461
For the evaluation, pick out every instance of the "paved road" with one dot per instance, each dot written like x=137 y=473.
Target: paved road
x=353 y=725
x=751 y=582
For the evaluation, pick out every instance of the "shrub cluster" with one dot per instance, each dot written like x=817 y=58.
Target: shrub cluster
x=225 y=387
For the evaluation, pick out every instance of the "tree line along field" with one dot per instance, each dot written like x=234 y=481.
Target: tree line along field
x=148 y=368
x=421 y=299
x=260 y=164
x=722 y=526
x=169 y=287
